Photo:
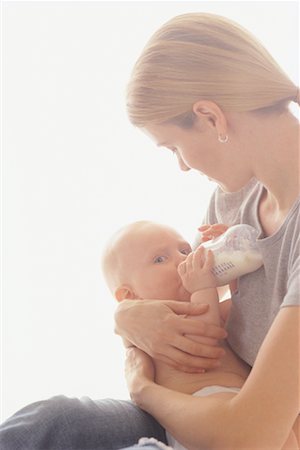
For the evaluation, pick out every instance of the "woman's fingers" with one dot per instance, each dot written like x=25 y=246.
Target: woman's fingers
x=189 y=325
x=212 y=231
x=205 y=238
x=184 y=308
x=193 y=366
x=191 y=347
x=182 y=323
x=171 y=345
x=204 y=227
x=219 y=226
x=187 y=362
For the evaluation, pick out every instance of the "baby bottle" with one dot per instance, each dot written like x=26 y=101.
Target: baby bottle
x=235 y=253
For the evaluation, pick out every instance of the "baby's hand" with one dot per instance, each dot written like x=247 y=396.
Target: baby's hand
x=195 y=271
x=212 y=231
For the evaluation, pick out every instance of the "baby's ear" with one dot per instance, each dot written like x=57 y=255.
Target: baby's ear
x=124 y=292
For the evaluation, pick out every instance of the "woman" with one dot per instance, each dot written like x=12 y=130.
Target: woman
x=209 y=92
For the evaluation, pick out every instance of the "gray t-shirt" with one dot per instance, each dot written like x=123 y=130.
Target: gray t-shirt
x=276 y=284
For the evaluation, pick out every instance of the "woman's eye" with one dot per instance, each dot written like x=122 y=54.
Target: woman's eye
x=160 y=259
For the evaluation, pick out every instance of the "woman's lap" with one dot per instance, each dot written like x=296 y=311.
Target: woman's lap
x=63 y=423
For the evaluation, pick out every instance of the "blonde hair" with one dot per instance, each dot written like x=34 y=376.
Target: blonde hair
x=201 y=56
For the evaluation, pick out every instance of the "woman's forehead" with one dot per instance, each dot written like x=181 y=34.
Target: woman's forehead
x=161 y=134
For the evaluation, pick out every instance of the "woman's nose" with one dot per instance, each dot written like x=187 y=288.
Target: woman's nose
x=182 y=164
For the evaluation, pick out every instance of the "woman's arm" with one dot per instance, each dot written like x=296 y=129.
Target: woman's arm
x=269 y=402
x=260 y=416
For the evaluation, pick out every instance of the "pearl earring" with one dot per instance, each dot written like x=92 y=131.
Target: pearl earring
x=223 y=140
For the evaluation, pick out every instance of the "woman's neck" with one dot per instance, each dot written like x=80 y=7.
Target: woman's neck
x=275 y=160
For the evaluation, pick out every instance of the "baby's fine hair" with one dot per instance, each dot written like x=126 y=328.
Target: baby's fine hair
x=111 y=264
x=202 y=56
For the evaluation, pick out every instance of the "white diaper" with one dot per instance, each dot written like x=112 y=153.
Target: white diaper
x=145 y=442
x=208 y=390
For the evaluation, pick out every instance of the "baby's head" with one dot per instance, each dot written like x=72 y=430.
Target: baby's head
x=141 y=260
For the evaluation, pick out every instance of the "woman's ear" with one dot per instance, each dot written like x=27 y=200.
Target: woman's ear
x=212 y=113
x=124 y=292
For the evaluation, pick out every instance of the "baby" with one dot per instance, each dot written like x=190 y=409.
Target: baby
x=146 y=260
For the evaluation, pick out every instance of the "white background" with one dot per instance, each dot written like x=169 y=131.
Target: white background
x=74 y=170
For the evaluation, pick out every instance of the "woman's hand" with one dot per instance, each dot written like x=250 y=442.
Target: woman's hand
x=139 y=371
x=158 y=327
x=209 y=232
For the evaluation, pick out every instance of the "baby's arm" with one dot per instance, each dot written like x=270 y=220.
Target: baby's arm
x=209 y=232
x=198 y=279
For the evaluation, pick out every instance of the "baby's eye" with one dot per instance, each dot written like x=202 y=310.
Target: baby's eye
x=160 y=259
x=185 y=251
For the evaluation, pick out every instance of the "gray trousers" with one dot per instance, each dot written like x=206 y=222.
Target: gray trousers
x=63 y=423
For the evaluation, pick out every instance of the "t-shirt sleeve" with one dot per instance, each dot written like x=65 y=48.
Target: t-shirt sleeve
x=292 y=296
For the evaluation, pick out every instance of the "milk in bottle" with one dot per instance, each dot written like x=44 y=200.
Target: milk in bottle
x=235 y=253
